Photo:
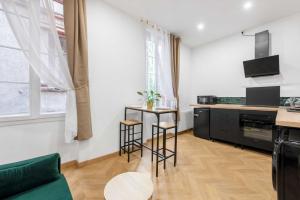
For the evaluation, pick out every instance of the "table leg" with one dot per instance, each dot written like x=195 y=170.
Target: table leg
x=120 y=144
x=142 y=140
x=176 y=132
x=125 y=131
x=157 y=141
x=142 y=133
x=152 y=138
x=132 y=144
x=125 y=115
x=164 y=146
x=128 y=143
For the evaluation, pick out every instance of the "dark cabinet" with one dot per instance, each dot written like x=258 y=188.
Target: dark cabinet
x=224 y=125
x=244 y=127
x=201 y=122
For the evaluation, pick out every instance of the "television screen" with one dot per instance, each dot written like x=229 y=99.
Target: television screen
x=262 y=66
x=263 y=96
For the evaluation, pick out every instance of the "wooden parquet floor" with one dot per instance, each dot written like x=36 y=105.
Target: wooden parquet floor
x=205 y=171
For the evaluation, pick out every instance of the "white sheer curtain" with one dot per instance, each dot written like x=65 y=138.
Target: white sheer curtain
x=160 y=40
x=33 y=24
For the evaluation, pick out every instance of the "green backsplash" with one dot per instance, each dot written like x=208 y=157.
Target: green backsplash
x=242 y=100
x=231 y=100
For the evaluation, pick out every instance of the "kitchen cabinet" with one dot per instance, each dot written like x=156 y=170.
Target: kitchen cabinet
x=224 y=125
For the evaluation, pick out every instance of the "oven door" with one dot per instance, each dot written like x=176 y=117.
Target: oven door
x=258 y=131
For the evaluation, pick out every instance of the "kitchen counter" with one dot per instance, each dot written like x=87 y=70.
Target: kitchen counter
x=288 y=119
x=284 y=118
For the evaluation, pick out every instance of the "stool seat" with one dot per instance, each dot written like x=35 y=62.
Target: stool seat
x=165 y=125
x=131 y=122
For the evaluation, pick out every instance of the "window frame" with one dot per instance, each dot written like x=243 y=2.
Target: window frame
x=34 y=115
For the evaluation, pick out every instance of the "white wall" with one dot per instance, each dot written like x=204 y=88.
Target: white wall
x=185 y=81
x=31 y=140
x=217 y=67
x=116 y=72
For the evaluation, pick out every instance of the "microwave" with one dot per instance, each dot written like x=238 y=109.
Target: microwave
x=206 y=99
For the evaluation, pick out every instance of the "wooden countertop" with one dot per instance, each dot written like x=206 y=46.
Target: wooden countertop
x=234 y=106
x=284 y=118
x=288 y=119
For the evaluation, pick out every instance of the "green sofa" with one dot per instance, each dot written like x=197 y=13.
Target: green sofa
x=35 y=179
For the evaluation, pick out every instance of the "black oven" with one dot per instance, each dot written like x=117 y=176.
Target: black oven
x=257 y=129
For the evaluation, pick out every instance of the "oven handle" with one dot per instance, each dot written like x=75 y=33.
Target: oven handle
x=257 y=122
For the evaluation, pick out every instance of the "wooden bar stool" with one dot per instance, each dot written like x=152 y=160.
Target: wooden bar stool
x=162 y=152
x=131 y=142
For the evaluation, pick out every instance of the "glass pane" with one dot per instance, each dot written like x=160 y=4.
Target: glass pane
x=44 y=39
x=150 y=49
x=13 y=66
x=151 y=82
x=151 y=65
x=14 y=99
x=58 y=7
x=52 y=100
x=7 y=37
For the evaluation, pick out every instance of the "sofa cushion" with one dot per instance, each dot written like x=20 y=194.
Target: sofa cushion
x=56 y=190
x=25 y=175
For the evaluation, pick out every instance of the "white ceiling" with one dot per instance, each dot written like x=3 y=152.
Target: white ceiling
x=221 y=17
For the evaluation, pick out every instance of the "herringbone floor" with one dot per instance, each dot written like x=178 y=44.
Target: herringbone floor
x=206 y=171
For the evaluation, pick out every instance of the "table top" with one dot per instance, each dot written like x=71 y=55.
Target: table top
x=154 y=110
x=129 y=186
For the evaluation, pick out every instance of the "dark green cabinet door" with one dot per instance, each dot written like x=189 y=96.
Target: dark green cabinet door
x=224 y=125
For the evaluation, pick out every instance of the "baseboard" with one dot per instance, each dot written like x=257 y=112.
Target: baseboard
x=95 y=160
x=76 y=164
x=70 y=164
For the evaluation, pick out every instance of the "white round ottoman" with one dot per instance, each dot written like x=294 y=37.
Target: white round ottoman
x=129 y=186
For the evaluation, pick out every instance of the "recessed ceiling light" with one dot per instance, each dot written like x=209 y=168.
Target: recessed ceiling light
x=248 y=5
x=201 y=26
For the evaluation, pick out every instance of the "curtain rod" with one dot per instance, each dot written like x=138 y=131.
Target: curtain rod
x=154 y=26
x=157 y=27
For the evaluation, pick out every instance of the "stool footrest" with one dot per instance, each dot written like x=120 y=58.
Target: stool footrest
x=165 y=158
x=171 y=153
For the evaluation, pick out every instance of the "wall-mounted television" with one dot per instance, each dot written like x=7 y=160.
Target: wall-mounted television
x=262 y=67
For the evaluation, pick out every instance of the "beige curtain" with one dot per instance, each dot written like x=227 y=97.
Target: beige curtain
x=175 y=66
x=76 y=36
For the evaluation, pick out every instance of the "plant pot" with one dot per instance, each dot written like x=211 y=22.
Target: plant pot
x=149 y=105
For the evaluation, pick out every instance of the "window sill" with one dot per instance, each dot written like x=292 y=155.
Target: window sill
x=26 y=119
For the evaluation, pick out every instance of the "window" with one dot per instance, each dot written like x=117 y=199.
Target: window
x=158 y=64
x=151 y=76
x=22 y=92
x=53 y=99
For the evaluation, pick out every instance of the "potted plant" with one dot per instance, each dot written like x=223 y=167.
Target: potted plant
x=150 y=97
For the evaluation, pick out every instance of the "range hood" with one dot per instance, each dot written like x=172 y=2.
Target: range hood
x=263 y=64
x=262 y=44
